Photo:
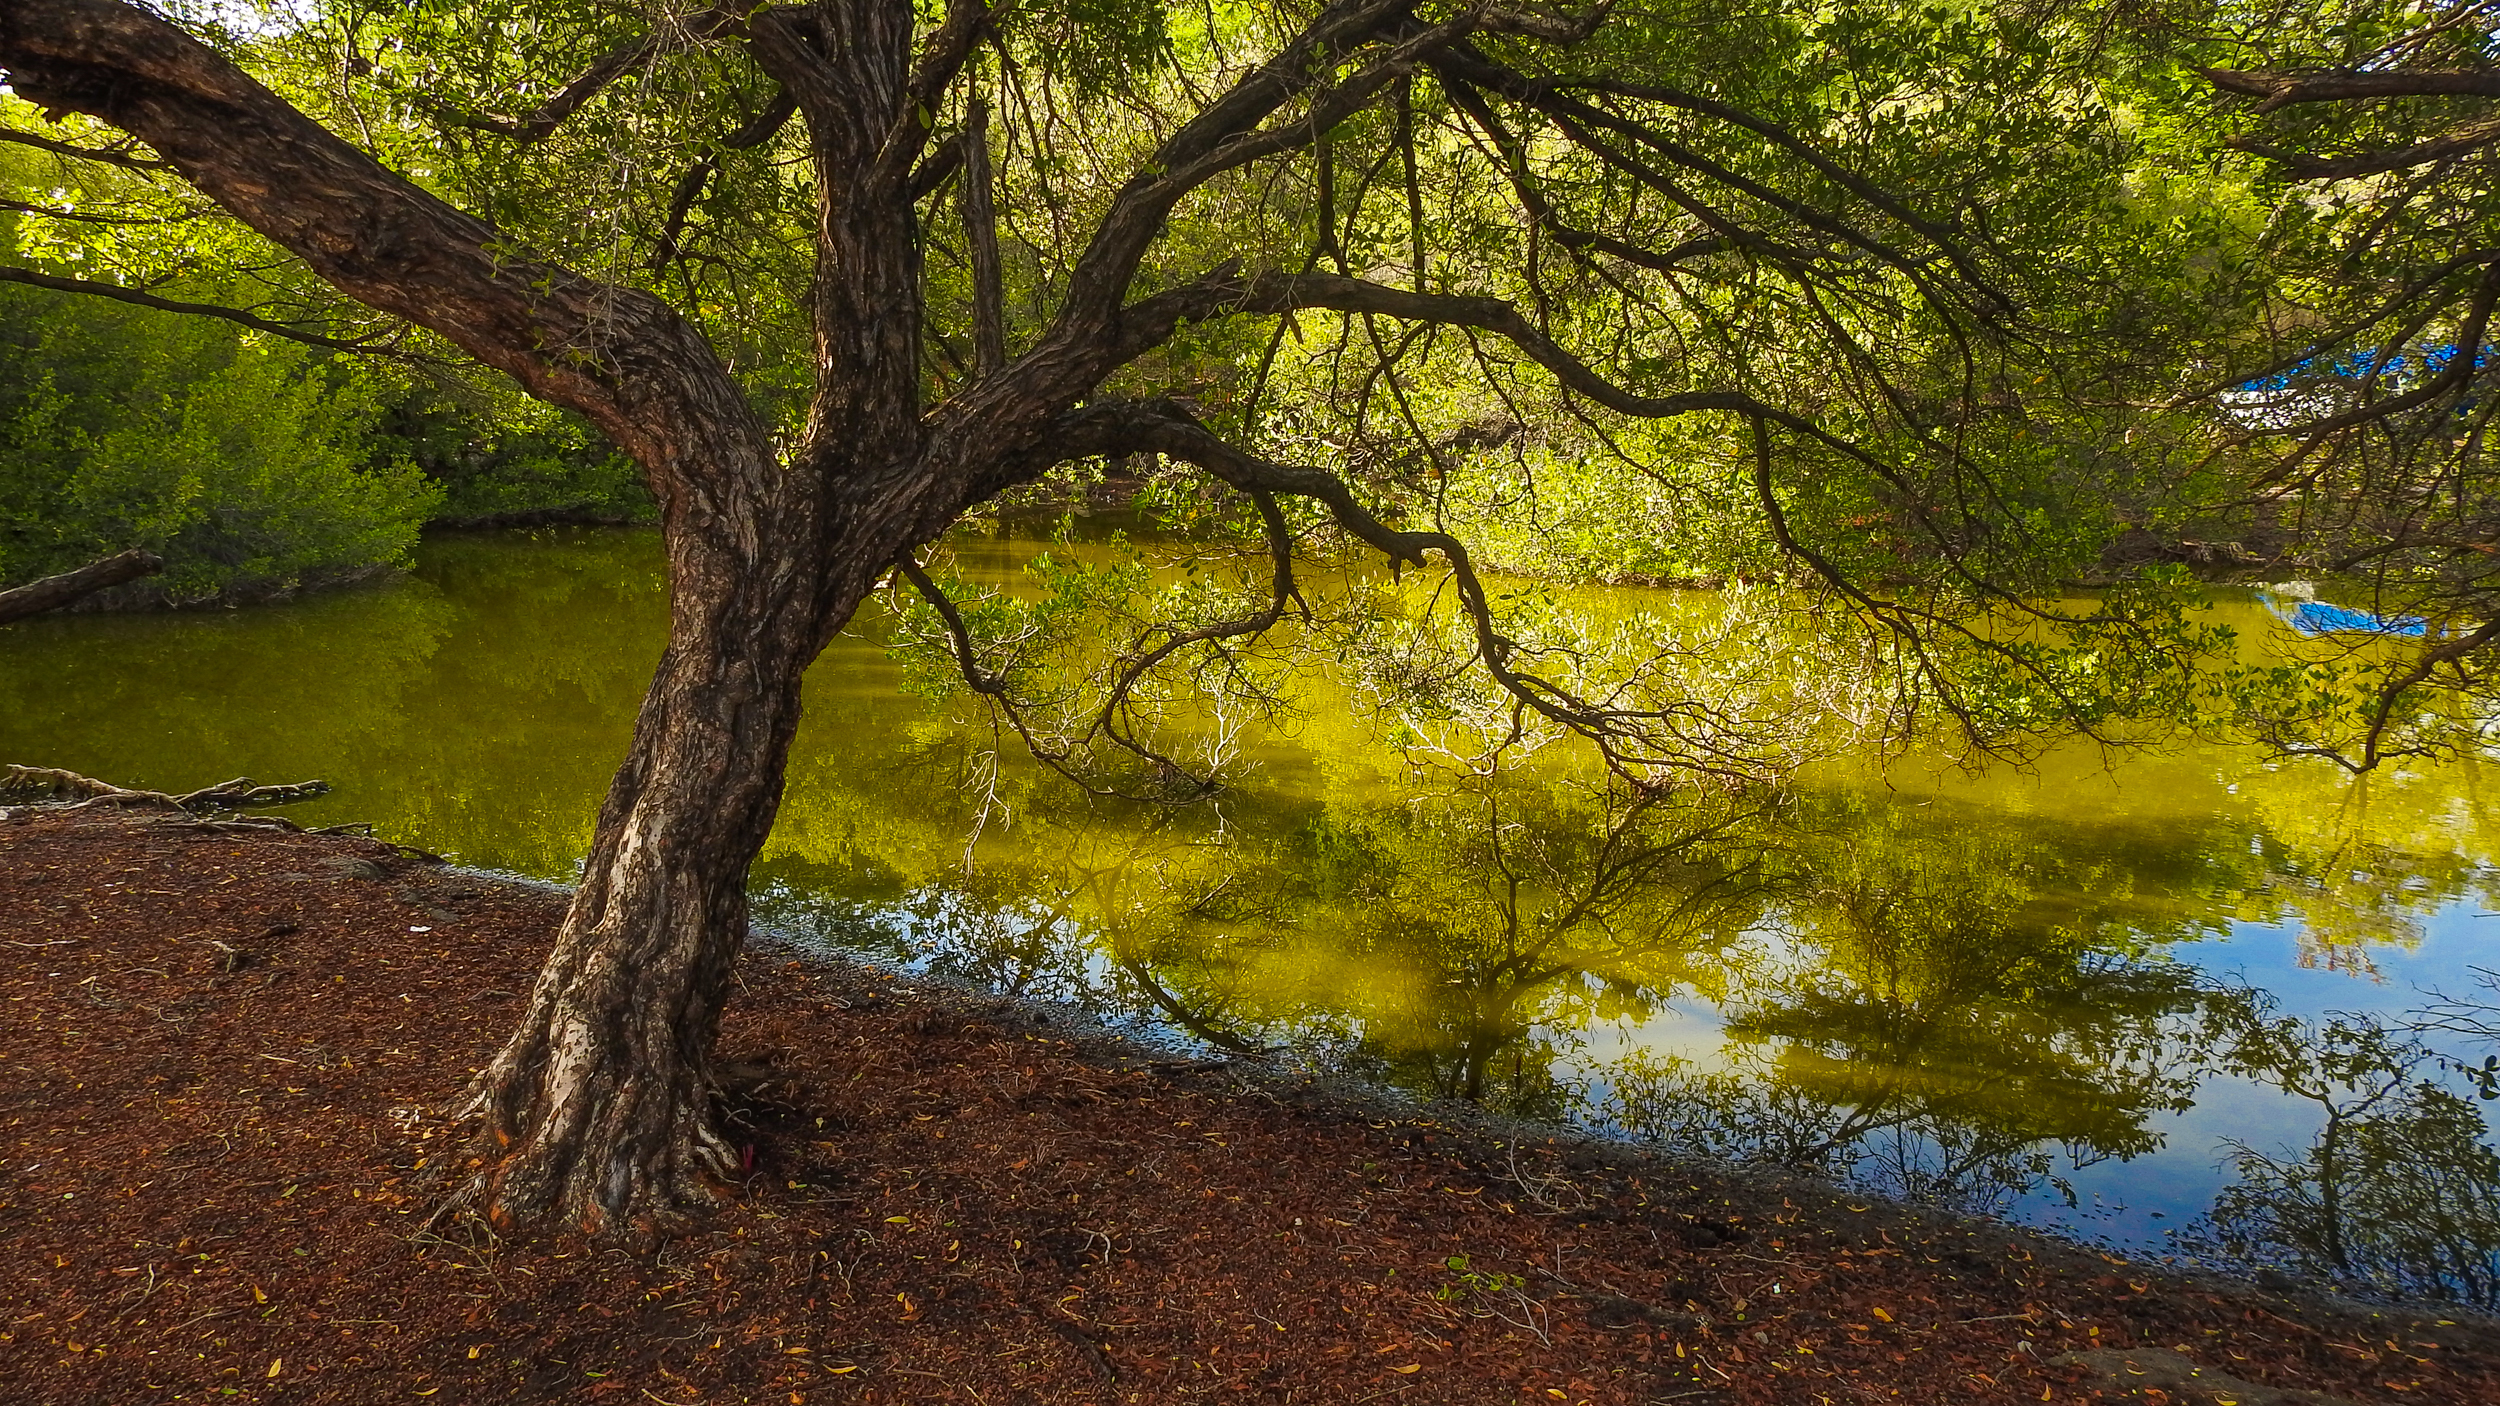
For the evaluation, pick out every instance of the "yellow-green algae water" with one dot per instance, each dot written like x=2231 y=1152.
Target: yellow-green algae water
x=2167 y=998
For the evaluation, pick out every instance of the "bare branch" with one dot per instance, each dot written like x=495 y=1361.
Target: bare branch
x=1786 y=139
x=2459 y=141
x=1635 y=742
x=540 y=125
x=375 y=344
x=110 y=156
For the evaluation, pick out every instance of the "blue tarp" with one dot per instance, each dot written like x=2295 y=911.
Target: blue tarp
x=2316 y=617
x=2404 y=367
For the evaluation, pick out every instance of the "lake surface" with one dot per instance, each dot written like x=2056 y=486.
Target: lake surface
x=2170 y=1000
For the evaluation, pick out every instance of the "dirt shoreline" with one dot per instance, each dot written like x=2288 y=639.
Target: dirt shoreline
x=223 y=1051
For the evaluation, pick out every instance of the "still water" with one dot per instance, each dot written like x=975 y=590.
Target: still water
x=2189 y=1002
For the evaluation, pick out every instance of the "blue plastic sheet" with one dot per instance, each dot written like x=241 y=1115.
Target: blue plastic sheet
x=2316 y=617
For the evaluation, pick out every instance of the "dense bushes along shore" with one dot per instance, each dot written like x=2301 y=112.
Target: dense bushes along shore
x=254 y=465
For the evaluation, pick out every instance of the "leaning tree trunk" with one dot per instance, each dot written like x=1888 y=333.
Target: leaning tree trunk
x=602 y=1103
x=600 y=1107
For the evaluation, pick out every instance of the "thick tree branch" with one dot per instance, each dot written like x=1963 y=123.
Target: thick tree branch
x=618 y=356
x=681 y=201
x=2278 y=89
x=2459 y=141
x=764 y=125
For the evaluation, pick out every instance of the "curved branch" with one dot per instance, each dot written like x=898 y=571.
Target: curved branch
x=2448 y=652
x=1635 y=742
x=540 y=125
x=2473 y=136
x=96 y=289
x=1148 y=322
x=1060 y=757
x=754 y=132
x=621 y=357
x=1114 y=718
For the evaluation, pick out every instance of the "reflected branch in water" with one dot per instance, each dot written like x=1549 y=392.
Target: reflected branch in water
x=2400 y=1190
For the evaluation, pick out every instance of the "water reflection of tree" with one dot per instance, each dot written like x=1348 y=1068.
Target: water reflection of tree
x=1523 y=914
x=2399 y=1191
x=1446 y=943
x=1954 y=1001
x=2357 y=862
x=1944 y=1003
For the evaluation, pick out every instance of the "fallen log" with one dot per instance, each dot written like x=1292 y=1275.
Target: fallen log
x=53 y=592
x=27 y=785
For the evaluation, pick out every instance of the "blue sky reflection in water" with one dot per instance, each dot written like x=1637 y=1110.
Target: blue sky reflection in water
x=2127 y=995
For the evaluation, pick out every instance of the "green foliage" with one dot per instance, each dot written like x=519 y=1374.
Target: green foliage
x=1465 y=1283
x=496 y=454
x=248 y=463
x=255 y=464
x=1100 y=45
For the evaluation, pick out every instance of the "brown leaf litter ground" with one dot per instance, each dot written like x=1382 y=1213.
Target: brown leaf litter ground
x=223 y=1052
